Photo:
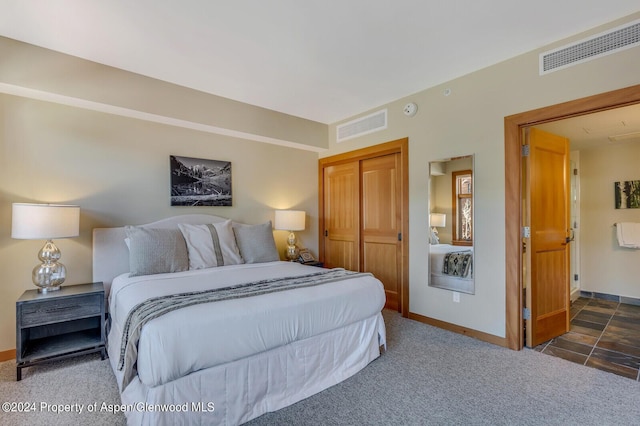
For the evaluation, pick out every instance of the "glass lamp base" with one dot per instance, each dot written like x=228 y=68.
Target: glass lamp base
x=292 y=253
x=49 y=274
x=45 y=290
x=292 y=249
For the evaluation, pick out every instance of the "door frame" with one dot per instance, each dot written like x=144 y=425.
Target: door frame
x=513 y=126
x=399 y=146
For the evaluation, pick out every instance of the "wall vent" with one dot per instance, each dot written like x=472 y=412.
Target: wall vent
x=362 y=126
x=611 y=41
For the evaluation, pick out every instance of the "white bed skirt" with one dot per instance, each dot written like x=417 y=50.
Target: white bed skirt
x=464 y=285
x=239 y=391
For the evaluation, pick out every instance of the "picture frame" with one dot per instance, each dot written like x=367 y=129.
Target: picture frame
x=627 y=194
x=200 y=182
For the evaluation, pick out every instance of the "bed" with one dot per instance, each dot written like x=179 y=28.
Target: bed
x=451 y=267
x=252 y=335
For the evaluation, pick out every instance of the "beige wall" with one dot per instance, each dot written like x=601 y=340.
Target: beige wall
x=117 y=168
x=604 y=266
x=471 y=121
x=39 y=70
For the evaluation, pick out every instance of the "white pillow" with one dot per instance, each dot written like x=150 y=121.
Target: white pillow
x=211 y=245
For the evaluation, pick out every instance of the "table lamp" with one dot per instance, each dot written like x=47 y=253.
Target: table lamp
x=46 y=222
x=290 y=220
x=437 y=220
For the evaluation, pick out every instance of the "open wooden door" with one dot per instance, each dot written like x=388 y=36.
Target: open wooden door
x=546 y=211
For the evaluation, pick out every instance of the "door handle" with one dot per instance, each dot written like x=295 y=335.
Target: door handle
x=571 y=237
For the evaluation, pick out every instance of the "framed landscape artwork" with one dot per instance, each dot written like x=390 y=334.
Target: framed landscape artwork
x=200 y=182
x=627 y=194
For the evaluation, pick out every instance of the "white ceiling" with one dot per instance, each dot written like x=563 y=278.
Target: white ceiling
x=323 y=60
x=595 y=130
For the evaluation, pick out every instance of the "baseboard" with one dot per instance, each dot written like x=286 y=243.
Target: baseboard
x=575 y=295
x=480 y=335
x=611 y=297
x=7 y=355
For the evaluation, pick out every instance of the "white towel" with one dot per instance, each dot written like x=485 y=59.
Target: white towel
x=628 y=234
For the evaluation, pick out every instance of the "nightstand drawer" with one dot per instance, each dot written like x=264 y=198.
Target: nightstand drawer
x=45 y=312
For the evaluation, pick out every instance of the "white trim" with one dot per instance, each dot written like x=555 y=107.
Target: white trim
x=40 y=95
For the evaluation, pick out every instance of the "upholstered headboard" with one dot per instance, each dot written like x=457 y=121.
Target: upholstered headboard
x=110 y=253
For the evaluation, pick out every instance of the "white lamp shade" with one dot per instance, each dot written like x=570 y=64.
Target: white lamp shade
x=290 y=220
x=44 y=221
x=439 y=220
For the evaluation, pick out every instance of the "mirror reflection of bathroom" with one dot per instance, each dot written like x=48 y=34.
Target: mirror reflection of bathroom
x=451 y=223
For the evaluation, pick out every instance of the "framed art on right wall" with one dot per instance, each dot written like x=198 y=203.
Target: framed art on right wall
x=627 y=194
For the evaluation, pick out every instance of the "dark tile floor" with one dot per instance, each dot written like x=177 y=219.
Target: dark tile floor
x=604 y=335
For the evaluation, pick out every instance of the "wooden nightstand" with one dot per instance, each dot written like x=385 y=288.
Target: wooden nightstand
x=59 y=324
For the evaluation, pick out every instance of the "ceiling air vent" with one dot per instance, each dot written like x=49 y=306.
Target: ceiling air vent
x=614 y=40
x=362 y=126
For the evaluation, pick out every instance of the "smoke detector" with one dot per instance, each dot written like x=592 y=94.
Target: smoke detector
x=410 y=109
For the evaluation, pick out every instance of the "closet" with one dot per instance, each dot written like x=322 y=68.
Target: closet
x=364 y=218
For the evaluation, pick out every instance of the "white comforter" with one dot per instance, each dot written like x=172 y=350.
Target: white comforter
x=210 y=334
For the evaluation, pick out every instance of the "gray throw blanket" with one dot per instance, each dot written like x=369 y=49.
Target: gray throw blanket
x=158 y=306
x=457 y=263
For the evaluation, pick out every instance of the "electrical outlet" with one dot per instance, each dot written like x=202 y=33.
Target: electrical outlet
x=456 y=297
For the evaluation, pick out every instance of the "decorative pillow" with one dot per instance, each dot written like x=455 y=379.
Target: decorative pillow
x=256 y=242
x=156 y=251
x=211 y=245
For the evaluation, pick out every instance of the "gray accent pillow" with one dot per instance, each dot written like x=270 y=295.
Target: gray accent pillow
x=256 y=242
x=156 y=251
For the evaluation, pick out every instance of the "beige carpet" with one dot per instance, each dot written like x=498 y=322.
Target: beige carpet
x=46 y=390
x=428 y=376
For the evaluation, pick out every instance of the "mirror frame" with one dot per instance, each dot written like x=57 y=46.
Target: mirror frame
x=440 y=252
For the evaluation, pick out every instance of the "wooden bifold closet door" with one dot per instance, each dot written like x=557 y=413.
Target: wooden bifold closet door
x=362 y=222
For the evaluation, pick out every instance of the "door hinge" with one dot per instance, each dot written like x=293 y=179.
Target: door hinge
x=575 y=172
x=326 y=233
x=575 y=277
x=399 y=236
x=526 y=232
x=525 y=150
x=526 y=314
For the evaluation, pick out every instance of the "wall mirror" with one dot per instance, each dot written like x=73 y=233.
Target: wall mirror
x=451 y=221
